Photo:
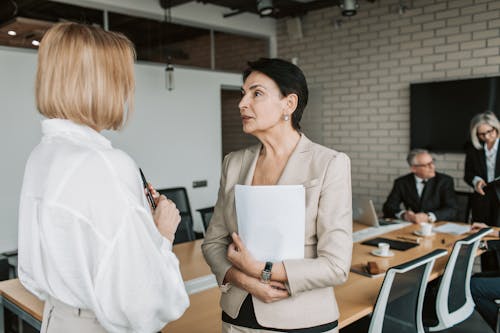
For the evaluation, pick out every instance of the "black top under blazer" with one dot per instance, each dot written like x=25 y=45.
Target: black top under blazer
x=438 y=197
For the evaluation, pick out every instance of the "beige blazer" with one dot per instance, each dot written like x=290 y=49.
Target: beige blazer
x=325 y=174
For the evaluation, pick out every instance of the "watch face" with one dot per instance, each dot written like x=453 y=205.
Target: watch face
x=266 y=273
x=266 y=276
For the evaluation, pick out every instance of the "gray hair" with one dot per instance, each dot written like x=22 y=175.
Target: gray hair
x=413 y=153
x=486 y=118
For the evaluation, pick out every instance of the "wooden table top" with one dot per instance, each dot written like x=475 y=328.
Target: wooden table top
x=191 y=261
x=352 y=306
x=356 y=297
x=14 y=291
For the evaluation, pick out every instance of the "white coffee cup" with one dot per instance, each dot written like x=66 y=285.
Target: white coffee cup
x=383 y=249
x=425 y=229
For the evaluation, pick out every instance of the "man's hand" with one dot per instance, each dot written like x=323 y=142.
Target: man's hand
x=421 y=218
x=409 y=216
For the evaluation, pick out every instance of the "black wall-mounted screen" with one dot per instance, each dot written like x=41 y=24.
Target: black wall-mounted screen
x=440 y=112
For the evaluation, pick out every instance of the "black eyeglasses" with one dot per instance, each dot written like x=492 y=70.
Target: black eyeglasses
x=426 y=165
x=488 y=132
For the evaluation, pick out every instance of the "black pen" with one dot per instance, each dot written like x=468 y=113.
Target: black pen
x=148 y=193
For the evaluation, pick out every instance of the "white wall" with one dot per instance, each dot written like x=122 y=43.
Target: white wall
x=174 y=136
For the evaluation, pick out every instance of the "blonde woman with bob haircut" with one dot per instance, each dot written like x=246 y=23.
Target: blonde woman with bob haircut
x=482 y=165
x=89 y=244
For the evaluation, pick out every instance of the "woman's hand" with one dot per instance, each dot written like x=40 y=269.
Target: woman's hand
x=239 y=256
x=476 y=226
x=166 y=217
x=479 y=186
x=154 y=193
x=266 y=292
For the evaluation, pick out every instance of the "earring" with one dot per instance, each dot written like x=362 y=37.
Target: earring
x=286 y=117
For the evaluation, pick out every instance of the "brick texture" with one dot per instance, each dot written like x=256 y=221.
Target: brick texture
x=361 y=69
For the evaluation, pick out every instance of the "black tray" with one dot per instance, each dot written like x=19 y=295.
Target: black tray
x=394 y=244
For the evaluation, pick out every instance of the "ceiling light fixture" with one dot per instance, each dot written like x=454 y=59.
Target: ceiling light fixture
x=349 y=7
x=167 y=19
x=402 y=8
x=169 y=77
x=34 y=42
x=11 y=33
x=265 y=7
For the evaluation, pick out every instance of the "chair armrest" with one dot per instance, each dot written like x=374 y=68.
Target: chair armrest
x=11 y=253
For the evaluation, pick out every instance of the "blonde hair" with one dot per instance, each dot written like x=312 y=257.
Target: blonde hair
x=486 y=118
x=86 y=75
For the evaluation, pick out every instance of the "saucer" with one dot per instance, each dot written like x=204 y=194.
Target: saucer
x=377 y=253
x=419 y=233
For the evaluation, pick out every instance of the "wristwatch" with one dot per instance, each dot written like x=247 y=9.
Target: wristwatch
x=265 y=276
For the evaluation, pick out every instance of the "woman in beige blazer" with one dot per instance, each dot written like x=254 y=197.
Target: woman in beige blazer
x=292 y=295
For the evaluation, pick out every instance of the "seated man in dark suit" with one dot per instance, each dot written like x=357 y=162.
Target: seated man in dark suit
x=426 y=194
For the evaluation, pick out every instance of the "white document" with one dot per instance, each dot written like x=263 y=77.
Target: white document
x=271 y=220
x=452 y=228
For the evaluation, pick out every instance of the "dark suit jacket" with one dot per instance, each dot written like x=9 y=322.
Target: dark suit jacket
x=475 y=165
x=484 y=207
x=438 y=197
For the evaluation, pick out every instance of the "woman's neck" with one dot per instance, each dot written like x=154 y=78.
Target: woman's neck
x=279 y=144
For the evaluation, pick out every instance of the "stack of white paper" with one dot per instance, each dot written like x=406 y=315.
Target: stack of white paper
x=452 y=228
x=271 y=220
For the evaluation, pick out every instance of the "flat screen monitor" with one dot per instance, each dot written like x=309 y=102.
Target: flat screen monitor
x=440 y=112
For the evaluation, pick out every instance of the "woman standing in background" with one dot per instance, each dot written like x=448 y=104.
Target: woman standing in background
x=482 y=165
x=89 y=244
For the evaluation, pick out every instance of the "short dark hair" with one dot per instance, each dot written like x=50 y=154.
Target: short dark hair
x=288 y=77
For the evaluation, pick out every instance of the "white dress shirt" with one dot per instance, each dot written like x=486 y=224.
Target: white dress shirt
x=87 y=236
x=491 y=158
x=420 y=189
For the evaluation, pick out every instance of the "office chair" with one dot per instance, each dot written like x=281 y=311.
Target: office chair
x=12 y=260
x=454 y=310
x=206 y=216
x=464 y=206
x=4 y=268
x=400 y=300
x=399 y=303
x=179 y=196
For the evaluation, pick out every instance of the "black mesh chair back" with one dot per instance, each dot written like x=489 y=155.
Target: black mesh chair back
x=12 y=259
x=464 y=206
x=206 y=216
x=454 y=302
x=178 y=195
x=4 y=268
x=400 y=300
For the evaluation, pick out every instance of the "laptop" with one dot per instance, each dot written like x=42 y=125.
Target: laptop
x=363 y=211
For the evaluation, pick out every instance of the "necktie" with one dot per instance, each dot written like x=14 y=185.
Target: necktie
x=424 y=183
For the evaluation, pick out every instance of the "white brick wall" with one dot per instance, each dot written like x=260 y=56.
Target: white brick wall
x=364 y=69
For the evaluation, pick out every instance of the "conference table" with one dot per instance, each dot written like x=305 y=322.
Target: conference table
x=356 y=297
